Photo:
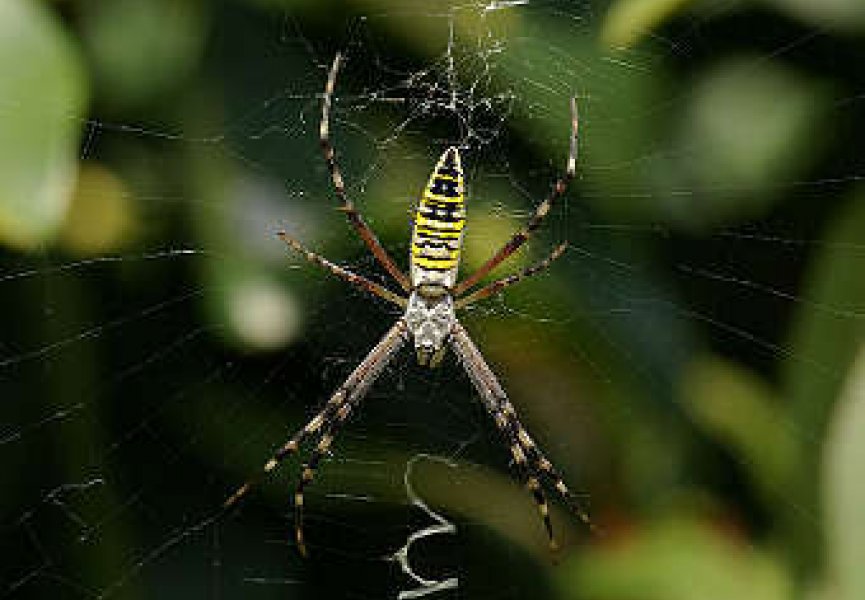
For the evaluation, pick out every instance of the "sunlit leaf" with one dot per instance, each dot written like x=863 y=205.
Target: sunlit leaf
x=845 y=487
x=42 y=97
x=466 y=490
x=554 y=60
x=629 y=20
x=101 y=217
x=678 y=560
x=826 y=335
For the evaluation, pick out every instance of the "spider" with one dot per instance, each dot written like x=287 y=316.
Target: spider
x=431 y=296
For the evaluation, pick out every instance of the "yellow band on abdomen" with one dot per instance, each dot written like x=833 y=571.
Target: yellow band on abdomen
x=438 y=224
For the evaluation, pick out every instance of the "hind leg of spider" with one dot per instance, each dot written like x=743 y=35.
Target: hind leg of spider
x=523 y=448
x=529 y=477
x=543 y=465
x=344 y=274
x=309 y=470
x=354 y=217
x=524 y=469
x=490 y=392
x=319 y=421
x=531 y=454
x=521 y=463
x=496 y=287
x=542 y=210
x=352 y=390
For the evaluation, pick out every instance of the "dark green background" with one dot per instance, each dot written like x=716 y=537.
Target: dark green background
x=689 y=364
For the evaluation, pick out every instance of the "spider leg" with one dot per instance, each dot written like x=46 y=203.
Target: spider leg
x=344 y=274
x=350 y=400
x=293 y=444
x=526 y=471
x=527 y=444
x=349 y=394
x=496 y=403
x=290 y=447
x=531 y=449
x=520 y=237
x=495 y=287
x=544 y=465
x=309 y=468
x=354 y=217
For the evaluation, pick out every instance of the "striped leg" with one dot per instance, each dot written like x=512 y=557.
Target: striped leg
x=497 y=402
x=344 y=274
x=491 y=394
x=349 y=394
x=309 y=469
x=520 y=238
x=543 y=464
x=354 y=217
x=527 y=473
x=491 y=289
x=292 y=445
x=531 y=450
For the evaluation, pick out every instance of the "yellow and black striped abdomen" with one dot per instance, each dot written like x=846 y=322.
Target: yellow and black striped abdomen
x=438 y=225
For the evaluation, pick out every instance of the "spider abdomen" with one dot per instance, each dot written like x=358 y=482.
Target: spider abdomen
x=438 y=225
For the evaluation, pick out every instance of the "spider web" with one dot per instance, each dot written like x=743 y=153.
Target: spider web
x=142 y=383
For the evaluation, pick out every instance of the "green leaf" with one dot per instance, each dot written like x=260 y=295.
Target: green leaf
x=736 y=141
x=740 y=410
x=101 y=216
x=141 y=50
x=42 y=99
x=844 y=487
x=629 y=20
x=827 y=332
x=553 y=60
x=676 y=560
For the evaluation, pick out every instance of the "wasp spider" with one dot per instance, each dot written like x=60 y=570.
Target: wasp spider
x=430 y=297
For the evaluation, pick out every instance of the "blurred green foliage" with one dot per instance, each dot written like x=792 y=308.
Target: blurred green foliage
x=43 y=94
x=695 y=362
x=844 y=487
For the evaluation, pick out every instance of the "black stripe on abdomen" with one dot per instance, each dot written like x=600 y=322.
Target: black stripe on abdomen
x=449 y=188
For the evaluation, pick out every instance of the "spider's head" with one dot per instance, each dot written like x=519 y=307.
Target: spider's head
x=430 y=318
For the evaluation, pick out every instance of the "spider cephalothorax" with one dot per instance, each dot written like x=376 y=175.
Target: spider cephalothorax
x=430 y=298
x=430 y=320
